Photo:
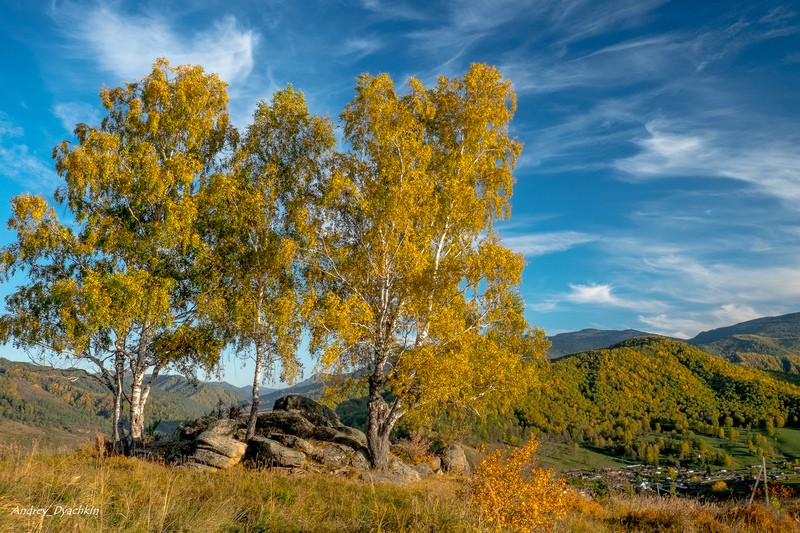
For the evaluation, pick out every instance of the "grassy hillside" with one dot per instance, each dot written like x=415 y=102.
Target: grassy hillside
x=127 y=494
x=656 y=399
x=64 y=407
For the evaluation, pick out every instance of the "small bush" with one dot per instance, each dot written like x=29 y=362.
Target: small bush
x=509 y=493
x=415 y=449
x=719 y=487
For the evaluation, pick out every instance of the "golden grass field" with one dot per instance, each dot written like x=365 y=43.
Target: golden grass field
x=84 y=491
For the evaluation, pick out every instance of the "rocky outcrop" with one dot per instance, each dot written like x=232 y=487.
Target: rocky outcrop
x=290 y=422
x=217 y=446
x=316 y=413
x=292 y=441
x=299 y=435
x=264 y=452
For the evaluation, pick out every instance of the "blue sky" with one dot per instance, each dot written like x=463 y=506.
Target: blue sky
x=659 y=186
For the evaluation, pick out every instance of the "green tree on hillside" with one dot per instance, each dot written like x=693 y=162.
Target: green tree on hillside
x=116 y=284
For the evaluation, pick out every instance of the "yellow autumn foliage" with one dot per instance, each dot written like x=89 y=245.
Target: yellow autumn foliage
x=509 y=493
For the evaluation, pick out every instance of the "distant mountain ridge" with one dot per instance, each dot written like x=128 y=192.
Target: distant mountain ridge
x=311 y=387
x=589 y=339
x=769 y=343
x=777 y=336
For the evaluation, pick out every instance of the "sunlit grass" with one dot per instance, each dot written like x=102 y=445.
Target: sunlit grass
x=652 y=513
x=135 y=495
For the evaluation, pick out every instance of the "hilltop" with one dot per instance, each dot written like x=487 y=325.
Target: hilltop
x=588 y=339
x=769 y=343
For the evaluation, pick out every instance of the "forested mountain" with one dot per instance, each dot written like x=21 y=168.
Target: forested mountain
x=770 y=343
x=645 y=397
x=620 y=399
x=312 y=387
x=40 y=397
x=588 y=339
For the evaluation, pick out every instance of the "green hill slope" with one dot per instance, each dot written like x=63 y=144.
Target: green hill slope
x=657 y=393
x=61 y=404
x=777 y=336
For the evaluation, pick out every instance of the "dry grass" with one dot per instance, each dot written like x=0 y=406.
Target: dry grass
x=652 y=513
x=135 y=495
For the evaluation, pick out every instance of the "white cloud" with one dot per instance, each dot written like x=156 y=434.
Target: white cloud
x=8 y=128
x=592 y=294
x=72 y=113
x=19 y=164
x=697 y=280
x=735 y=313
x=619 y=65
x=603 y=295
x=126 y=44
x=674 y=150
x=663 y=324
x=546 y=243
x=392 y=10
x=360 y=47
x=685 y=325
x=546 y=306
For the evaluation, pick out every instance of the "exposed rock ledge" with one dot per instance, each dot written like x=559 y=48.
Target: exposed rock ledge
x=299 y=435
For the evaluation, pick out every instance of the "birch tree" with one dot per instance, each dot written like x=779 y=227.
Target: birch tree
x=416 y=292
x=258 y=228
x=115 y=284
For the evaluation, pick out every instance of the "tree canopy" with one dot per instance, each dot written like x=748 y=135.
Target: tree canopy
x=115 y=285
x=183 y=237
x=415 y=290
x=257 y=223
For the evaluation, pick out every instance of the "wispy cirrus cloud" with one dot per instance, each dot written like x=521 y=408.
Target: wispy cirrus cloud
x=535 y=244
x=126 y=44
x=72 y=113
x=702 y=281
x=8 y=128
x=360 y=47
x=18 y=163
x=672 y=149
x=662 y=57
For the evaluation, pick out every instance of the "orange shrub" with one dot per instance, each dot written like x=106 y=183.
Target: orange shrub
x=509 y=493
